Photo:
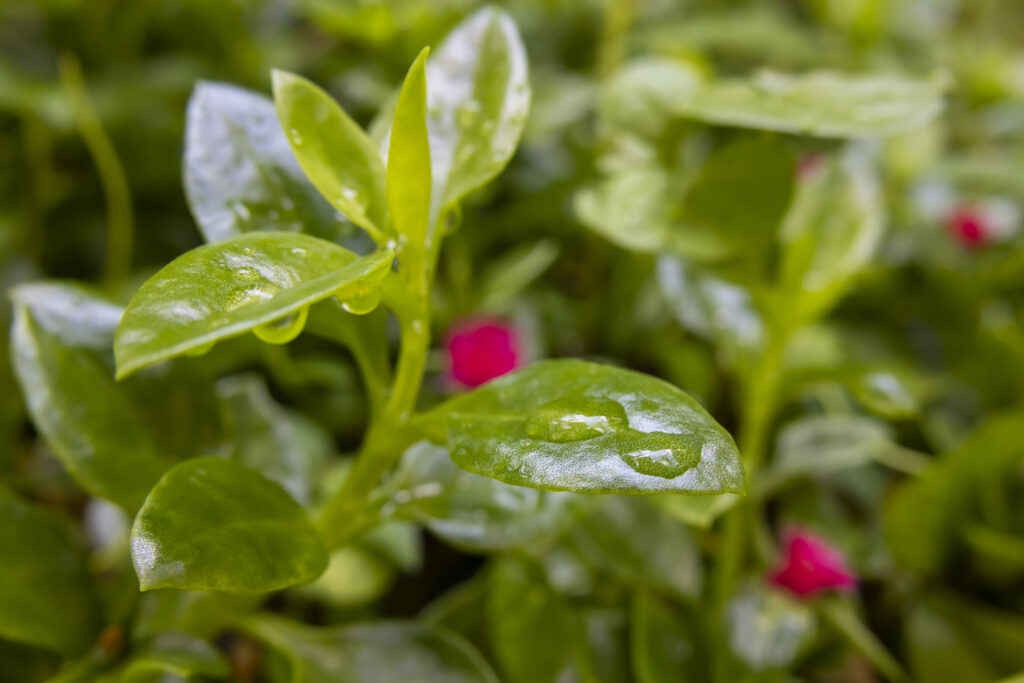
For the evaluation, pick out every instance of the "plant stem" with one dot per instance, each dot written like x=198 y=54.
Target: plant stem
x=121 y=232
x=861 y=637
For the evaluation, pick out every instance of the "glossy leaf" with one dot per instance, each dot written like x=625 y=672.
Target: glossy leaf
x=56 y=341
x=569 y=425
x=638 y=542
x=478 y=95
x=247 y=283
x=819 y=103
x=47 y=596
x=469 y=510
x=372 y=652
x=525 y=616
x=213 y=524
x=408 y=172
x=240 y=172
x=337 y=156
x=283 y=446
x=830 y=234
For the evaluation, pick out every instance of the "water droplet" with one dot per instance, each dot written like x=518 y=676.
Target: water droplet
x=660 y=455
x=350 y=194
x=576 y=419
x=282 y=330
x=298 y=251
x=361 y=303
x=247 y=274
x=295 y=137
x=466 y=113
x=244 y=296
x=200 y=350
x=465 y=153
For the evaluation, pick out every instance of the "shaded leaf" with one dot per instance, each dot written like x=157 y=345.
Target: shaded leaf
x=213 y=524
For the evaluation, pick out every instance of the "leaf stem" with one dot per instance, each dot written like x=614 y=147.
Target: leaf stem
x=861 y=637
x=121 y=231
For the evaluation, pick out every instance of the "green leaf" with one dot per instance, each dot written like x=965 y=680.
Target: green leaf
x=213 y=524
x=262 y=282
x=372 y=652
x=283 y=446
x=640 y=97
x=818 y=103
x=758 y=169
x=665 y=646
x=408 y=172
x=698 y=511
x=638 y=542
x=630 y=208
x=829 y=236
x=767 y=629
x=468 y=510
x=528 y=624
x=240 y=172
x=87 y=420
x=337 y=156
x=570 y=425
x=47 y=597
x=172 y=656
x=478 y=95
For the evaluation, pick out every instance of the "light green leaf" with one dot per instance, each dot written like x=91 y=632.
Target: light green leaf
x=641 y=544
x=478 y=95
x=337 y=156
x=768 y=630
x=372 y=652
x=250 y=282
x=569 y=425
x=630 y=208
x=47 y=597
x=282 y=445
x=469 y=510
x=641 y=96
x=698 y=511
x=213 y=524
x=830 y=234
x=240 y=172
x=89 y=422
x=408 y=172
x=818 y=103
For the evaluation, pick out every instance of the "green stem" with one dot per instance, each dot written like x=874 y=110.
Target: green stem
x=121 y=232
x=861 y=637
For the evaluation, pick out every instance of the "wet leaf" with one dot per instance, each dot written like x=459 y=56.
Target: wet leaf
x=262 y=282
x=213 y=524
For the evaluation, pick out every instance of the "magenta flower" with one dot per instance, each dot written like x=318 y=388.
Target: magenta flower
x=969 y=226
x=480 y=349
x=810 y=565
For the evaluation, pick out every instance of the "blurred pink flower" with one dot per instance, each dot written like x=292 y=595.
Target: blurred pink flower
x=480 y=349
x=810 y=565
x=969 y=226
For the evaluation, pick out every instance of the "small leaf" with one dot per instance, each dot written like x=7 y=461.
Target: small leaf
x=213 y=524
x=88 y=420
x=337 y=156
x=819 y=103
x=569 y=425
x=47 y=597
x=373 y=652
x=408 y=172
x=222 y=290
x=240 y=172
x=641 y=544
x=478 y=95
x=469 y=510
x=283 y=446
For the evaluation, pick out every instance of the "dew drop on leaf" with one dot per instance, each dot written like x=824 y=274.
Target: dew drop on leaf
x=576 y=419
x=243 y=296
x=361 y=304
x=660 y=456
x=283 y=330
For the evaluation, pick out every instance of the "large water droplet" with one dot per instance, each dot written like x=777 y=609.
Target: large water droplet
x=282 y=330
x=254 y=293
x=361 y=303
x=660 y=455
x=576 y=419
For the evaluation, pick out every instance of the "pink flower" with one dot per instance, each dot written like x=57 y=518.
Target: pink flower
x=810 y=565
x=969 y=226
x=480 y=349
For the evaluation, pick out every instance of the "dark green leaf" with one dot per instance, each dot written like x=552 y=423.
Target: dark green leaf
x=408 y=172
x=569 y=425
x=213 y=524
x=665 y=645
x=88 y=421
x=47 y=597
x=337 y=156
x=240 y=173
x=469 y=510
x=263 y=281
x=374 y=652
x=172 y=656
